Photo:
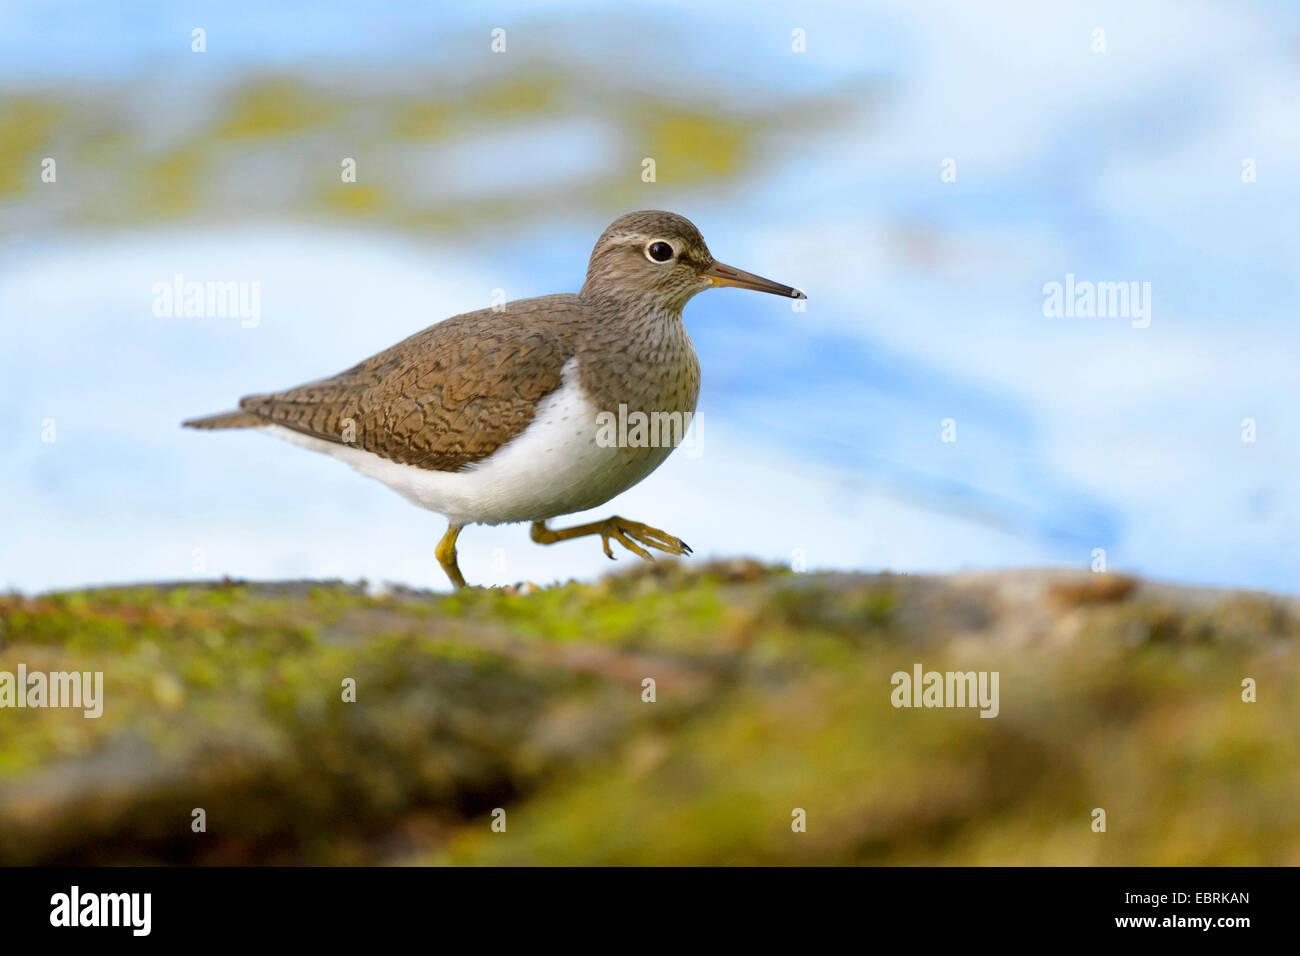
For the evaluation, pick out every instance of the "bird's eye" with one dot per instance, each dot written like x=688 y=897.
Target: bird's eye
x=659 y=251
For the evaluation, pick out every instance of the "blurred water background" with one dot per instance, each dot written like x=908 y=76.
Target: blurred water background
x=821 y=431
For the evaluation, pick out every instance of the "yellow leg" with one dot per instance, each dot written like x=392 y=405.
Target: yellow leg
x=446 y=552
x=625 y=532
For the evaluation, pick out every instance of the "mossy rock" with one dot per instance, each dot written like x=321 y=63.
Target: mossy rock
x=772 y=695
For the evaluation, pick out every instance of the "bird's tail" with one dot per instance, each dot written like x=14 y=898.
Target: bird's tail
x=235 y=419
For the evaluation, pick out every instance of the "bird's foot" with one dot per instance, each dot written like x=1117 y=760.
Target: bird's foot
x=630 y=534
x=633 y=534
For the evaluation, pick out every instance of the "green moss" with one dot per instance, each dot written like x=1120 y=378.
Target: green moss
x=772 y=692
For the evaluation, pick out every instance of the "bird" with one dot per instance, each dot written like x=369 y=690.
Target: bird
x=504 y=415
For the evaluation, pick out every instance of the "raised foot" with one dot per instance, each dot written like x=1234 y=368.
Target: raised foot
x=630 y=534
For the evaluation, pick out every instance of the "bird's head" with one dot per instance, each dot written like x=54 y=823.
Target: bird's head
x=660 y=258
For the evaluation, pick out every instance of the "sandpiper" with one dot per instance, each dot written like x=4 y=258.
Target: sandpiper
x=492 y=417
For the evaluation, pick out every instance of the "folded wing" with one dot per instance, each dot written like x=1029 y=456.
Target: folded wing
x=447 y=396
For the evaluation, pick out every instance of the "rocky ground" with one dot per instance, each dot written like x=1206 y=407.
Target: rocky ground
x=772 y=693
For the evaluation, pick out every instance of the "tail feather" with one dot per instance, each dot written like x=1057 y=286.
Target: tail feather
x=235 y=419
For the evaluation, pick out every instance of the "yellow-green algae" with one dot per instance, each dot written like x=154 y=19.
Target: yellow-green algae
x=128 y=167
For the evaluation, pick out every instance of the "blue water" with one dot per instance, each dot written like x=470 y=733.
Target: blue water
x=822 y=429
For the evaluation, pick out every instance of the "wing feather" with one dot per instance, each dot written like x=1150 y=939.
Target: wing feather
x=444 y=398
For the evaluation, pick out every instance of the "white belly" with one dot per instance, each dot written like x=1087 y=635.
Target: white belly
x=554 y=466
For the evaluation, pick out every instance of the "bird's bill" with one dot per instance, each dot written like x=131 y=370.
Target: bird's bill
x=726 y=275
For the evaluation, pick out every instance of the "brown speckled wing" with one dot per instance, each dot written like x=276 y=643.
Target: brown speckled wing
x=447 y=396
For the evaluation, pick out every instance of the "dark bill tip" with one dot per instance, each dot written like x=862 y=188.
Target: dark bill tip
x=727 y=275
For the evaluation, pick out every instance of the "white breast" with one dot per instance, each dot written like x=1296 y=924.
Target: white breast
x=554 y=466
